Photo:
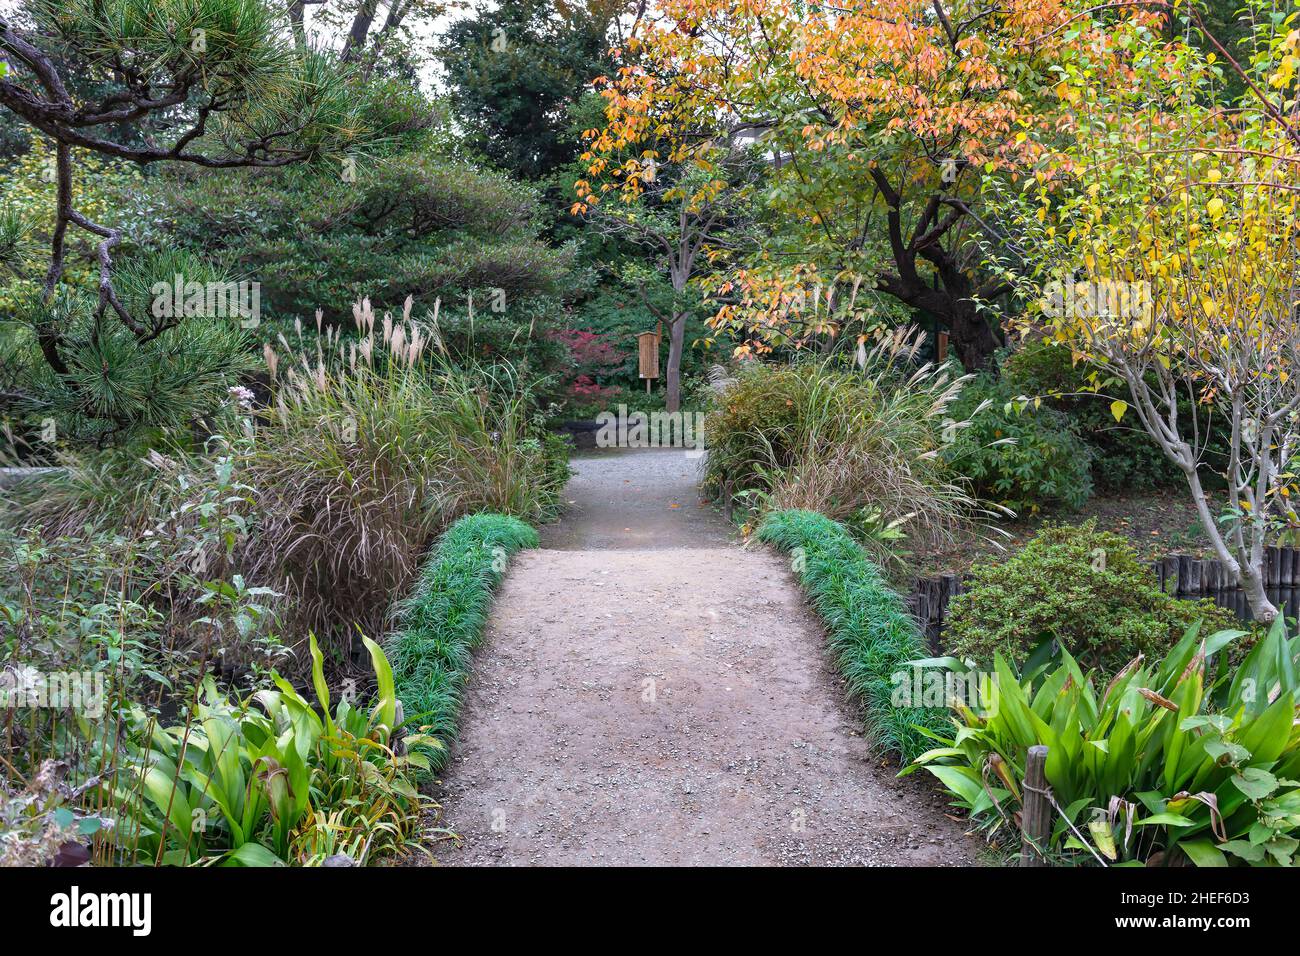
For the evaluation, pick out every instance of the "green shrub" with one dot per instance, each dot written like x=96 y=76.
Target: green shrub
x=1024 y=458
x=443 y=621
x=1085 y=589
x=414 y=223
x=1178 y=758
x=759 y=414
x=870 y=630
x=1123 y=455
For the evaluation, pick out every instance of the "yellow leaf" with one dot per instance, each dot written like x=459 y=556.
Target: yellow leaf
x=1118 y=408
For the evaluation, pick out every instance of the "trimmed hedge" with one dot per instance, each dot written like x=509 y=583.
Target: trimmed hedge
x=443 y=621
x=870 y=630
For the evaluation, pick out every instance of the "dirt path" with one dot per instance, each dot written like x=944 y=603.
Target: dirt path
x=649 y=693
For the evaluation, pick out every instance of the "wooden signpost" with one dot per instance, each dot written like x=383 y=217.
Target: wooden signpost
x=648 y=355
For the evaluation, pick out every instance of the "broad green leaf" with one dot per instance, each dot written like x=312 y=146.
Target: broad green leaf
x=1104 y=837
x=318 y=682
x=384 y=683
x=253 y=854
x=1164 y=820
x=1203 y=853
x=1255 y=783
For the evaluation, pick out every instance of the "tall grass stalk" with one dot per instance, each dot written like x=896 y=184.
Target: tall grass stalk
x=859 y=444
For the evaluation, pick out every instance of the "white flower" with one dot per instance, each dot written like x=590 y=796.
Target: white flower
x=242 y=397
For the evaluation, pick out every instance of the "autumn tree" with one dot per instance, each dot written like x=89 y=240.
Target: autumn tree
x=879 y=122
x=654 y=182
x=1165 y=240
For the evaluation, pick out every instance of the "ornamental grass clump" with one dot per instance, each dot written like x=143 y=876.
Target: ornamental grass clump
x=371 y=447
x=859 y=443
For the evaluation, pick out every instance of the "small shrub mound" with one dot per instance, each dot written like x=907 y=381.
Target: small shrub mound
x=871 y=632
x=1025 y=457
x=1083 y=587
x=443 y=621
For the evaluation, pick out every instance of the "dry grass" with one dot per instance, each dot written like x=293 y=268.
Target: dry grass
x=858 y=444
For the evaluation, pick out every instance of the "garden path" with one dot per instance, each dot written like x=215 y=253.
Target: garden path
x=648 y=692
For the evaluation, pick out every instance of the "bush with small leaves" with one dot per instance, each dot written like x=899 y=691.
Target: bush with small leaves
x=1019 y=455
x=1077 y=585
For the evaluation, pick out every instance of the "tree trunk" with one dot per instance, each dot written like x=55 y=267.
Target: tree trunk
x=1252 y=582
x=673 y=379
x=297 y=24
x=970 y=333
x=1236 y=557
x=971 y=337
x=365 y=16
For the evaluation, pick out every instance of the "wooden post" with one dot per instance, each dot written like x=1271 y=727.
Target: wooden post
x=648 y=357
x=1212 y=577
x=1171 y=582
x=1036 y=813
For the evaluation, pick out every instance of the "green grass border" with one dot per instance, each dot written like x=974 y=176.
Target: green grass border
x=870 y=630
x=443 y=619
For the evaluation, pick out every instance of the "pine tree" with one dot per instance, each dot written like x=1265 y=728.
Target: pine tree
x=213 y=83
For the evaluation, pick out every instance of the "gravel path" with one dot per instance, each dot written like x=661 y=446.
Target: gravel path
x=650 y=693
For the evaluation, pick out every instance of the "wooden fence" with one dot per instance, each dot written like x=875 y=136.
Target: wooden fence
x=1182 y=575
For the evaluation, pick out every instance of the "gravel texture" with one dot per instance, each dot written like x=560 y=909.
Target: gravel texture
x=648 y=692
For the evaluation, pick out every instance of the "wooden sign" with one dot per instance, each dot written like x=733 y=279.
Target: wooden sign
x=648 y=354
